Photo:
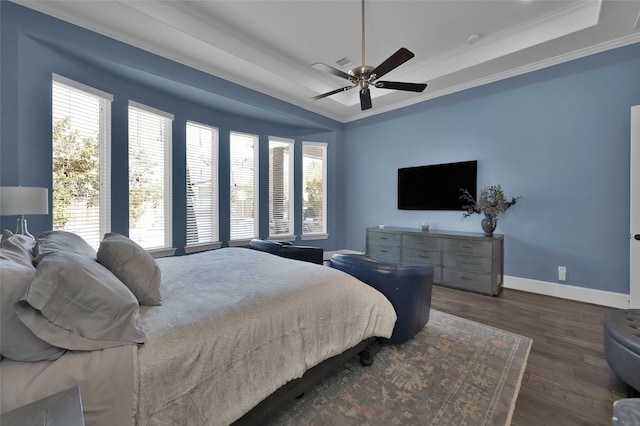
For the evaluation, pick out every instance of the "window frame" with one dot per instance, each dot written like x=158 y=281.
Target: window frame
x=241 y=241
x=166 y=249
x=104 y=149
x=323 y=234
x=290 y=143
x=214 y=243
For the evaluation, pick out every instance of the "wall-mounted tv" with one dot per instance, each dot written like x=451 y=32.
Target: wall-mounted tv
x=436 y=186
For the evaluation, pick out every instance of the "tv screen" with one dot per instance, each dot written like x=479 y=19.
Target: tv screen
x=437 y=186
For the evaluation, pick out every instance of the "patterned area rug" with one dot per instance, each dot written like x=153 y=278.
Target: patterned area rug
x=453 y=372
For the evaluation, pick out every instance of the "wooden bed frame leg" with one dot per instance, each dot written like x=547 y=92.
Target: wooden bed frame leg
x=367 y=354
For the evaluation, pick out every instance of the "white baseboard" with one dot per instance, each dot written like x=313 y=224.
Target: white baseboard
x=571 y=292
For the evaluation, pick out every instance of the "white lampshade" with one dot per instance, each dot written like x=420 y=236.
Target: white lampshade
x=23 y=200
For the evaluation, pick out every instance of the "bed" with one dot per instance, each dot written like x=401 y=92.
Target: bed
x=233 y=333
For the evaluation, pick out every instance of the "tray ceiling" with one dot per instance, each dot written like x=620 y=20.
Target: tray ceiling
x=269 y=45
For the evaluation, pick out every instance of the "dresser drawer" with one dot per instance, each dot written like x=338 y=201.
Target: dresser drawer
x=420 y=257
x=437 y=270
x=467 y=280
x=469 y=263
x=385 y=238
x=382 y=252
x=474 y=248
x=422 y=242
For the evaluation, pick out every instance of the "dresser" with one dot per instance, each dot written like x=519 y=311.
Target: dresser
x=465 y=260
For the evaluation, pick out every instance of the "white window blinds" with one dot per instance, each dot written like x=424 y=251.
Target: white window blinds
x=244 y=186
x=150 y=176
x=202 y=184
x=280 y=187
x=314 y=187
x=81 y=147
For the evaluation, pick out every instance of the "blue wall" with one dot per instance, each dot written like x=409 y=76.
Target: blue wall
x=558 y=137
x=35 y=45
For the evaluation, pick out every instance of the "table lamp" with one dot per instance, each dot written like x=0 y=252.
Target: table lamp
x=23 y=200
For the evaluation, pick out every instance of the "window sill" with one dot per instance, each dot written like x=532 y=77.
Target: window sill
x=162 y=252
x=283 y=237
x=195 y=248
x=314 y=237
x=239 y=243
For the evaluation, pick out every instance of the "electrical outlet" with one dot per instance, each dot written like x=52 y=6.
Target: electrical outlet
x=562 y=273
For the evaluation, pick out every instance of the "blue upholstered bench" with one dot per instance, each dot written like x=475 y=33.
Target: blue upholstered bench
x=408 y=288
x=288 y=250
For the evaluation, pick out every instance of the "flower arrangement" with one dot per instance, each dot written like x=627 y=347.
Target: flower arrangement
x=491 y=203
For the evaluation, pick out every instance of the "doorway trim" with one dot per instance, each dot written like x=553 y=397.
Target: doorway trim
x=634 y=210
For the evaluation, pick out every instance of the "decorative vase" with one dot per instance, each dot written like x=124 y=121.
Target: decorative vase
x=489 y=224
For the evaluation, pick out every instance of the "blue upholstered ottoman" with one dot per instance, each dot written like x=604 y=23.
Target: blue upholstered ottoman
x=408 y=288
x=622 y=344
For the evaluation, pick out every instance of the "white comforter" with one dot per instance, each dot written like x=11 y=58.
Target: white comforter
x=234 y=326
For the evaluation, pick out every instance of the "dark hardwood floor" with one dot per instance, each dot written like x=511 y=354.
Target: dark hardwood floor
x=567 y=380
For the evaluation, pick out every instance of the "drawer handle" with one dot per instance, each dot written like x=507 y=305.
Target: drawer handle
x=466 y=278
x=468 y=263
x=467 y=247
x=384 y=251
x=383 y=238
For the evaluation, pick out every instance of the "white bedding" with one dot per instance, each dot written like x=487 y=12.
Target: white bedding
x=248 y=323
x=234 y=326
x=105 y=378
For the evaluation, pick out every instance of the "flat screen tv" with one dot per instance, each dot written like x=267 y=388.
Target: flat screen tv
x=436 y=186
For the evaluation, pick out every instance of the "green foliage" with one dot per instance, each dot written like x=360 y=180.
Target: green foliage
x=314 y=194
x=76 y=176
x=492 y=201
x=143 y=191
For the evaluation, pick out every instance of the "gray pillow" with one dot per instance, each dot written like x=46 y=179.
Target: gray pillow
x=25 y=243
x=55 y=241
x=133 y=266
x=17 y=342
x=75 y=303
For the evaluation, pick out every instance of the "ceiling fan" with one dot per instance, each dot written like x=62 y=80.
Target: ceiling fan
x=366 y=75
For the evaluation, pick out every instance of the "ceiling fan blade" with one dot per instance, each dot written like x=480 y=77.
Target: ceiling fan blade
x=365 y=99
x=331 y=70
x=333 y=92
x=397 y=85
x=395 y=60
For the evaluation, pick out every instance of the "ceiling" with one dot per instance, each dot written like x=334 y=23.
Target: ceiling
x=269 y=45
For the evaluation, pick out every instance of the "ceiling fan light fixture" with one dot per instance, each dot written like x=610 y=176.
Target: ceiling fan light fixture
x=364 y=75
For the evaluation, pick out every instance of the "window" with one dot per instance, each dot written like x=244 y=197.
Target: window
x=280 y=187
x=81 y=147
x=202 y=186
x=314 y=190
x=244 y=187
x=149 y=176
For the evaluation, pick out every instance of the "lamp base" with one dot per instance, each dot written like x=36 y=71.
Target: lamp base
x=21 y=227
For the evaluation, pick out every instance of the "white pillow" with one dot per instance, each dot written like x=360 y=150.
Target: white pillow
x=75 y=303
x=23 y=242
x=17 y=342
x=133 y=266
x=62 y=241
